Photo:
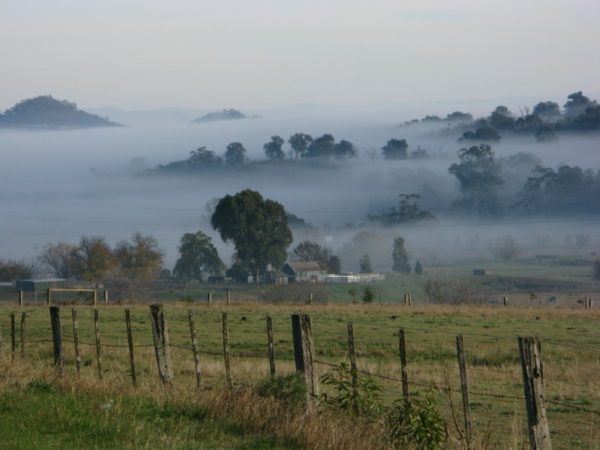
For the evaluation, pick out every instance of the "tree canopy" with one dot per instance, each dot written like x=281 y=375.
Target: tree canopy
x=273 y=148
x=395 y=149
x=197 y=257
x=257 y=227
x=235 y=154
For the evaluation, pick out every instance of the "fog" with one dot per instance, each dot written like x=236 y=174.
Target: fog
x=60 y=185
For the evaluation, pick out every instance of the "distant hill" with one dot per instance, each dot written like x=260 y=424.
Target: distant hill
x=48 y=112
x=226 y=114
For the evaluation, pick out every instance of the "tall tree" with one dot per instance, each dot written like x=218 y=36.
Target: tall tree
x=395 y=149
x=479 y=176
x=300 y=143
x=400 y=257
x=273 y=148
x=60 y=259
x=202 y=157
x=140 y=258
x=365 y=264
x=235 y=154
x=93 y=259
x=345 y=150
x=197 y=256
x=257 y=227
x=576 y=104
x=323 y=146
x=16 y=270
x=311 y=251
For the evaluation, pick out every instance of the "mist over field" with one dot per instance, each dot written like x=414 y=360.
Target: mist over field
x=58 y=185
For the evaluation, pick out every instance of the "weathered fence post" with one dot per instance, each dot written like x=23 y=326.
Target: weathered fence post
x=530 y=351
x=409 y=299
x=13 y=337
x=98 y=344
x=22 y=333
x=48 y=296
x=0 y=342
x=464 y=387
x=353 y=369
x=76 y=341
x=303 y=355
x=161 y=343
x=57 y=339
x=95 y=297
x=106 y=296
x=271 y=346
x=228 y=297
x=505 y=301
x=226 y=349
x=209 y=298
x=404 y=373
x=130 y=345
x=195 y=350
x=310 y=298
x=20 y=298
x=405 y=299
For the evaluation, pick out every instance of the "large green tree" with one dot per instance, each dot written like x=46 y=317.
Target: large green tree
x=400 y=257
x=257 y=227
x=197 y=256
x=299 y=143
x=273 y=148
x=395 y=149
x=235 y=154
x=479 y=176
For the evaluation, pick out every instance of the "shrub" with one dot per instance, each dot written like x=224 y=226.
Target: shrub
x=365 y=401
x=288 y=388
x=415 y=423
x=368 y=295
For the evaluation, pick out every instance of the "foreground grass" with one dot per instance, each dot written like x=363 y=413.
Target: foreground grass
x=571 y=355
x=43 y=416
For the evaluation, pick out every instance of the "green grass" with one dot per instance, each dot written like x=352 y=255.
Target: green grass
x=43 y=417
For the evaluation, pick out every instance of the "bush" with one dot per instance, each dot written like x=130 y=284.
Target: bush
x=288 y=388
x=415 y=423
x=364 y=402
x=368 y=295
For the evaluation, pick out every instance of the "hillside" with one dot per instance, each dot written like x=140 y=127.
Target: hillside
x=47 y=112
x=226 y=114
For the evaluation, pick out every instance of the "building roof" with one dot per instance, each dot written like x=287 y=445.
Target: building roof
x=305 y=266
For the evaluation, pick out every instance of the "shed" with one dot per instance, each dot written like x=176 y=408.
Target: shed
x=310 y=271
x=39 y=284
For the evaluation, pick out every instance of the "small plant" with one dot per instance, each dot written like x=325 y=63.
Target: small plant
x=365 y=401
x=415 y=423
x=368 y=295
x=288 y=388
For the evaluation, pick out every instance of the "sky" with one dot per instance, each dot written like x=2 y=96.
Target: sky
x=143 y=54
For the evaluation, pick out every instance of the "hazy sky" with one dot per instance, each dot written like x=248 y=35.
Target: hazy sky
x=267 y=53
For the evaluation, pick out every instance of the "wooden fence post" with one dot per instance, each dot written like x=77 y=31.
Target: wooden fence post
x=228 y=297
x=195 y=350
x=0 y=342
x=22 y=333
x=209 y=298
x=226 y=349
x=130 y=345
x=13 y=337
x=464 y=387
x=310 y=298
x=409 y=299
x=530 y=351
x=105 y=296
x=57 y=339
x=161 y=344
x=20 y=298
x=76 y=341
x=271 y=346
x=303 y=355
x=402 y=352
x=405 y=299
x=35 y=297
x=95 y=297
x=353 y=369
x=505 y=301
x=98 y=344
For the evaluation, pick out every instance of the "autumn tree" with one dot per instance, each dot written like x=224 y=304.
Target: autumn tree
x=93 y=259
x=60 y=259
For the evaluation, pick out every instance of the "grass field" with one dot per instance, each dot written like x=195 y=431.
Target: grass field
x=570 y=350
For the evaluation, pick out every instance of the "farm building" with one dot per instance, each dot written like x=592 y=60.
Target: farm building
x=7 y=286
x=355 y=278
x=310 y=271
x=39 y=284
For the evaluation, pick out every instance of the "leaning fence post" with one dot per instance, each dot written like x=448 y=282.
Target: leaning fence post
x=13 y=337
x=464 y=387
x=76 y=341
x=57 y=339
x=98 y=344
x=530 y=352
x=303 y=355
x=226 y=349
x=404 y=373
x=195 y=350
x=22 y=333
x=161 y=343
x=130 y=345
x=271 y=346
x=353 y=369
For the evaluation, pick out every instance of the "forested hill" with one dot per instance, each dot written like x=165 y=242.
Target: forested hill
x=48 y=112
x=226 y=114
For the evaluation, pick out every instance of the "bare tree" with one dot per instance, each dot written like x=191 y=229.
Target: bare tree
x=60 y=259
